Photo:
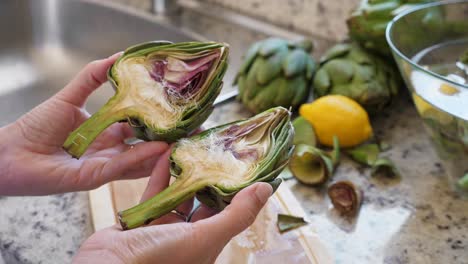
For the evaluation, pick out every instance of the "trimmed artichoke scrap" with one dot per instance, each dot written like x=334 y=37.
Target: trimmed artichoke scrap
x=347 y=69
x=163 y=90
x=368 y=22
x=219 y=162
x=276 y=72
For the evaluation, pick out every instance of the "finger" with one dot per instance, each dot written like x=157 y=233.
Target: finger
x=202 y=212
x=118 y=165
x=88 y=79
x=159 y=178
x=169 y=218
x=235 y=218
x=186 y=207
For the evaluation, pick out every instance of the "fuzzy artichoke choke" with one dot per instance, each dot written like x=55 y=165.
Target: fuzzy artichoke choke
x=219 y=162
x=347 y=69
x=276 y=72
x=163 y=90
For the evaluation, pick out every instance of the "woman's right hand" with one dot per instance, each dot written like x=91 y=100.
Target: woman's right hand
x=171 y=240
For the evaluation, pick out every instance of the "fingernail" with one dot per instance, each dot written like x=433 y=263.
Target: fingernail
x=117 y=54
x=263 y=192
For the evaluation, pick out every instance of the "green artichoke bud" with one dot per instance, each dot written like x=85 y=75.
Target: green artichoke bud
x=275 y=72
x=368 y=22
x=163 y=90
x=349 y=70
x=219 y=162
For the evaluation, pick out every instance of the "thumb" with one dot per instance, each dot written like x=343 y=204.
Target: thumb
x=88 y=79
x=239 y=215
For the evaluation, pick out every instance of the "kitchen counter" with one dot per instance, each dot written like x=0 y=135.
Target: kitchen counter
x=414 y=219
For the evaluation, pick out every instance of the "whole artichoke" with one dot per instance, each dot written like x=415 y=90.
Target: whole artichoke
x=349 y=70
x=219 y=162
x=368 y=22
x=276 y=72
x=163 y=90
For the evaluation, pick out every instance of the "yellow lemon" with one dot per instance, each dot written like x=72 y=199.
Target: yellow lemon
x=338 y=115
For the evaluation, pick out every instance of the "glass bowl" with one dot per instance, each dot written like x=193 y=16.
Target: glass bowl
x=427 y=43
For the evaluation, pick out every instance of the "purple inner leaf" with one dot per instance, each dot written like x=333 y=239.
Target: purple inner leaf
x=234 y=133
x=182 y=79
x=246 y=154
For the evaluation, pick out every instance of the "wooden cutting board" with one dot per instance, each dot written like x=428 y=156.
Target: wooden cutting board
x=260 y=243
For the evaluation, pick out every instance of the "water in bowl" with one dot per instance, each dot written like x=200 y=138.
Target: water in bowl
x=443 y=105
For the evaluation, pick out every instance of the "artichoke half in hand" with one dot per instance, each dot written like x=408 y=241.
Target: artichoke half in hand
x=163 y=90
x=347 y=69
x=368 y=22
x=276 y=72
x=219 y=162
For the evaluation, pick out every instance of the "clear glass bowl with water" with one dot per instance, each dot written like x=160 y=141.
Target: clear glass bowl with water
x=427 y=43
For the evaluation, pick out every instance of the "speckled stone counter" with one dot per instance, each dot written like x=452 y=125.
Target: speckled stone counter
x=415 y=219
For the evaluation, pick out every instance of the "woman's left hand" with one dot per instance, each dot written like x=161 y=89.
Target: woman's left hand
x=31 y=155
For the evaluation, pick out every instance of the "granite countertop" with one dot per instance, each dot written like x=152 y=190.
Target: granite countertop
x=415 y=219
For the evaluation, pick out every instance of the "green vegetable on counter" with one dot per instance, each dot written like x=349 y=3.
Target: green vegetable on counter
x=365 y=154
x=313 y=166
x=276 y=72
x=163 y=90
x=463 y=182
x=347 y=69
x=303 y=132
x=368 y=154
x=289 y=222
x=385 y=167
x=217 y=163
x=368 y=22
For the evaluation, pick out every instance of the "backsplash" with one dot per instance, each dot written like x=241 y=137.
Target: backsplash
x=323 y=18
x=315 y=17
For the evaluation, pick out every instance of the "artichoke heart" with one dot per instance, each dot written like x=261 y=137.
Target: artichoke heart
x=163 y=90
x=219 y=162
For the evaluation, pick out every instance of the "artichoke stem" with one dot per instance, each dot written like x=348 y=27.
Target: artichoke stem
x=79 y=140
x=160 y=204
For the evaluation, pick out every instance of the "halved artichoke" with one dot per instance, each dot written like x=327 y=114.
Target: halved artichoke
x=163 y=90
x=220 y=162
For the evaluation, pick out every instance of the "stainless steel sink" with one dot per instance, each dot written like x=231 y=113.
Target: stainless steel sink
x=46 y=42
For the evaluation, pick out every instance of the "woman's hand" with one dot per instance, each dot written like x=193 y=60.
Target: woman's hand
x=171 y=240
x=31 y=155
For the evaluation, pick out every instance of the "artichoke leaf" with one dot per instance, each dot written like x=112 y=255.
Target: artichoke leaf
x=270 y=67
x=463 y=182
x=345 y=197
x=295 y=63
x=313 y=166
x=385 y=167
x=304 y=132
x=366 y=154
x=287 y=222
x=219 y=162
